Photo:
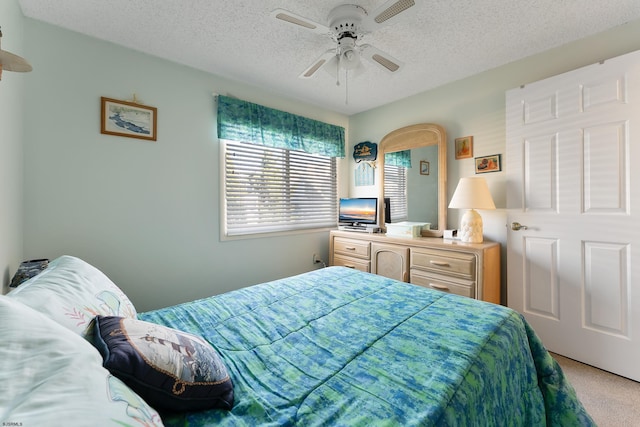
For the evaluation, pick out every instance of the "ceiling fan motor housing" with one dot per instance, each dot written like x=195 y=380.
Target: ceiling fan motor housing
x=346 y=20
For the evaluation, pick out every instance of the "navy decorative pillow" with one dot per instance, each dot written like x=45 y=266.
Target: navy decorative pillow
x=27 y=270
x=170 y=369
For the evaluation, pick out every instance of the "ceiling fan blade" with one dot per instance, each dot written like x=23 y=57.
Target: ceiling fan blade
x=12 y=62
x=327 y=58
x=300 y=21
x=386 y=12
x=383 y=59
x=331 y=67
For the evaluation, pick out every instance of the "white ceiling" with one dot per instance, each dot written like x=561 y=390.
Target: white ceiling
x=439 y=41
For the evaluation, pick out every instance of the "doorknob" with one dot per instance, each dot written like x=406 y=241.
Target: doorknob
x=516 y=226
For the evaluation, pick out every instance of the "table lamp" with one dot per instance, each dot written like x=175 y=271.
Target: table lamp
x=472 y=193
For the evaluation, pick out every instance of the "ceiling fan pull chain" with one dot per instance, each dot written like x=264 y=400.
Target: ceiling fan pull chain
x=346 y=87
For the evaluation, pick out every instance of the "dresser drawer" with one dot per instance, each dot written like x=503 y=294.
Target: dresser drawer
x=358 y=264
x=444 y=262
x=354 y=248
x=472 y=271
x=466 y=289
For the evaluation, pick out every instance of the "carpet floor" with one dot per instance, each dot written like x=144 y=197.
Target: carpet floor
x=611 y=400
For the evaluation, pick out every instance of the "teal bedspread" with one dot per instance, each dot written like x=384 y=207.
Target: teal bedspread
x=341 y=347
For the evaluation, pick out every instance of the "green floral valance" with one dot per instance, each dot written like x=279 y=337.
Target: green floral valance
x=398 y=158
x=243 y=121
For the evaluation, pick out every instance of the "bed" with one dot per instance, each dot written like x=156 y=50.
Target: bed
x=333 y=346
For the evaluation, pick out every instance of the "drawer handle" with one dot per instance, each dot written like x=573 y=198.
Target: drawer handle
x=349 y=266
x=350 y=248
x=440 y=263
x=439 y=287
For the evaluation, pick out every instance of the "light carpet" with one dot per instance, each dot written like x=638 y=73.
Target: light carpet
x=611 y=400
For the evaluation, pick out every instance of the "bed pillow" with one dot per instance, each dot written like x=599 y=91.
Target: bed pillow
x=72 y=292
x=27 y=270
x=51 y=376
x=170 y=369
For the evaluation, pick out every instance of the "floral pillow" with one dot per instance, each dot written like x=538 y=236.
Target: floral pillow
x=72 y=292
x=51 y=376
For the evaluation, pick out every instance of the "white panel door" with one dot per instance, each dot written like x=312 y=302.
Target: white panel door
x=573 y=183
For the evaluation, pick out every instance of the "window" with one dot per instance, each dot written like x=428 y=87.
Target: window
x=273 y=189
x=279 y=169
x=395 y=188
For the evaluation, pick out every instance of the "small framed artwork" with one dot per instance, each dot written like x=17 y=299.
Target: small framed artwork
x=130 y=119
x=464 y=147
x=424 y=167
x=486 y=164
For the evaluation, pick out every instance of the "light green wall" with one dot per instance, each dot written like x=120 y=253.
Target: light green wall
x=476 y=106
x=11 y=142
x=145 y=213
x=148 y=213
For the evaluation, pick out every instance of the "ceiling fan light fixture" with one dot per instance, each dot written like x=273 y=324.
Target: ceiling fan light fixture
x=350 y=59
x=349 y=54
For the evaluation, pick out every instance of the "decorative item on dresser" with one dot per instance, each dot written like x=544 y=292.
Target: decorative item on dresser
x=469 y=269
x=471 y=193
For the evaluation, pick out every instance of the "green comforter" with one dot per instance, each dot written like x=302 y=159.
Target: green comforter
x=337 y=347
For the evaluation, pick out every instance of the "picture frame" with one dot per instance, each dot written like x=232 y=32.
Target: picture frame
x=424 y=167
x=464 y=147
x=486 y=164
x=128 y=119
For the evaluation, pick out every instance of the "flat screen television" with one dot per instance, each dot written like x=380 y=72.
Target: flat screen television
x=358 y=212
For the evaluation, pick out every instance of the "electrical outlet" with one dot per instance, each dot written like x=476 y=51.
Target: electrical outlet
x=316 y=259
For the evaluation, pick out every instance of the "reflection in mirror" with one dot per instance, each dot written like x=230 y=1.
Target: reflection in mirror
x=423 y=207
x=418 y=192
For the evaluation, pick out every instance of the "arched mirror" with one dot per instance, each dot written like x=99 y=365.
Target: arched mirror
x=426 y=179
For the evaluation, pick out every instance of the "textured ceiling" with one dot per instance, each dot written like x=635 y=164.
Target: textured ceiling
x=439 y=41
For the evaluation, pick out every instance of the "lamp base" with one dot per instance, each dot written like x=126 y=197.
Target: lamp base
x=471 y=227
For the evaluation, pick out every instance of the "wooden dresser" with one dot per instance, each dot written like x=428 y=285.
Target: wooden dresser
x=469 y=269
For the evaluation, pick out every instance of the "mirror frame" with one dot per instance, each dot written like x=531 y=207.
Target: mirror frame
x=409 y=137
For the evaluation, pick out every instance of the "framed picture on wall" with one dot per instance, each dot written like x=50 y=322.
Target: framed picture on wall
x=464 y=147
x=486 y=164
x=424 y=167
x=129 y=119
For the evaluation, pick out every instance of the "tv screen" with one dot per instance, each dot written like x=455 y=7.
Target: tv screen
x=355 y=211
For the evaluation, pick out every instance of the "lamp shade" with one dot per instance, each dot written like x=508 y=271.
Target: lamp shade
x=472 y=193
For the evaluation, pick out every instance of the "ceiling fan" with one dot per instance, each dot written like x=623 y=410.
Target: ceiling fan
x=347 y=24
x=11 y=62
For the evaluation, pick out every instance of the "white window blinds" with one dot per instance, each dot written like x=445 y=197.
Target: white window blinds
x=395 y=188
x=272 y=189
